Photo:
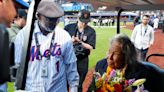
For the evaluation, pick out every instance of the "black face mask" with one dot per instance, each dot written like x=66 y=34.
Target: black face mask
x=48 y=24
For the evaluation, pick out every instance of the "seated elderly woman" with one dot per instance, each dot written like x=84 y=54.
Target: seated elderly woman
x=122 y=57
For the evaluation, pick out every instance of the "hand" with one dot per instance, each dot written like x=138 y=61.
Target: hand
x=73 y=39
x=77 y=39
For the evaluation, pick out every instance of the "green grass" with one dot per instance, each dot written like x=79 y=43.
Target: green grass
x=103 y=36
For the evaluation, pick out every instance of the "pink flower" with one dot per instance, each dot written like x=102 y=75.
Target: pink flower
x=130 y=81
x=112 y=74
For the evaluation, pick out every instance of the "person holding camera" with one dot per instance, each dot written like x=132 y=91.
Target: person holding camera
x=84 y=40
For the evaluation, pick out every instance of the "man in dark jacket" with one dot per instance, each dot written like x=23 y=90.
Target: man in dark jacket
x=84 y=39
x=7 y=13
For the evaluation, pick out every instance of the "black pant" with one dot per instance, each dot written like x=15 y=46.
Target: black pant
x=82 y=67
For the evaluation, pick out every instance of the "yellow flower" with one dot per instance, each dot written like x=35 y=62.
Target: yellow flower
x=108 y=71
x=109 y=88
x=99 y=83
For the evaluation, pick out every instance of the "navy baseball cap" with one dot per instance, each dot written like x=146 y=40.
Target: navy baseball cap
x=84 y=16
x=23 y=3
x=22 y=13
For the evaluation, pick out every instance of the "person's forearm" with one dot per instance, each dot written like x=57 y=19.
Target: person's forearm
x=87 y=46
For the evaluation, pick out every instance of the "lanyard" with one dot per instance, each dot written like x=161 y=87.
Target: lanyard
x=143 y=34
x=50 y=48
x=80 y=35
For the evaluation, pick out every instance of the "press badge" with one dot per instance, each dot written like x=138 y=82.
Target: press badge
x=45 y=67
x=44 y=71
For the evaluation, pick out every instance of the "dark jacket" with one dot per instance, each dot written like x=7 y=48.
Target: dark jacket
x=154 y=76
x=88 y=31
x=4 y=54
x=89 y=37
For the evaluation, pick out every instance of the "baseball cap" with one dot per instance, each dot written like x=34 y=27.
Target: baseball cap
x=22 y=13
x=84 y=16
x=50 y=9
x=23 y=3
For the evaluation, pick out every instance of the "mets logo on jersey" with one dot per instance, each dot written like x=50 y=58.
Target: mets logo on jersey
x=34 y=53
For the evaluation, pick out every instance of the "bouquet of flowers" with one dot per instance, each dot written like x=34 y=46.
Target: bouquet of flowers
x=114 y=81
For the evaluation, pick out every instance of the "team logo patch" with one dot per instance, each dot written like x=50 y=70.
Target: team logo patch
x=84 y=38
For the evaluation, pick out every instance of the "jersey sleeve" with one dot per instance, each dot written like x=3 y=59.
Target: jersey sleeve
x=71 y=66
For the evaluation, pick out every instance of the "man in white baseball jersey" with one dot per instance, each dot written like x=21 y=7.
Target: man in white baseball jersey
x=143 y=37
x=52 y=60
